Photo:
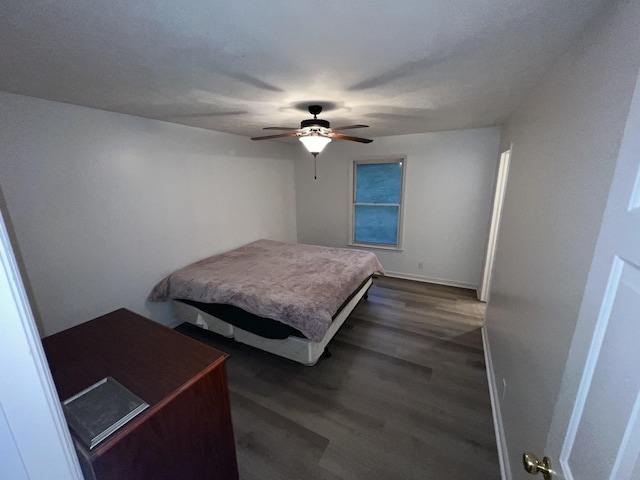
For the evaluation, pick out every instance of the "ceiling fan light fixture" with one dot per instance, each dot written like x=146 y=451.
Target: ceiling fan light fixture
x=314 y=143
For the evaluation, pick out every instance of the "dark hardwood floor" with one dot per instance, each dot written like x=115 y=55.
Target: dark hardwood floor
x=404 y=395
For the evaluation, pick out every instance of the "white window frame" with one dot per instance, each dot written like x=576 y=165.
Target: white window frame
x=395 y=159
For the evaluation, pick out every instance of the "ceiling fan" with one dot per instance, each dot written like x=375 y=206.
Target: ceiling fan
x=315 y=133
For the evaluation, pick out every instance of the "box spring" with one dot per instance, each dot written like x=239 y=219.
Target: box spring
x=294 y=347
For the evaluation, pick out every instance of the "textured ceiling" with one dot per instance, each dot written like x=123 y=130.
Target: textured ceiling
x=406 y=66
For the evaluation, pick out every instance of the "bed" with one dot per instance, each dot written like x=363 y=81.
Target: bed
x=288 y=299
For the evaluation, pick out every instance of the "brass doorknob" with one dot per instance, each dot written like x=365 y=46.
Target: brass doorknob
x=532 y=465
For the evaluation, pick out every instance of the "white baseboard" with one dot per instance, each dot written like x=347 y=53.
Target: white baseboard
x=503 y=457
x=438 y=281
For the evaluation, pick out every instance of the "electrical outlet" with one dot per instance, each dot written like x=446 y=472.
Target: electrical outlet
x=420 y=266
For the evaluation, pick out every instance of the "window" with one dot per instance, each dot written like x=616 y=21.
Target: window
x=376 y=213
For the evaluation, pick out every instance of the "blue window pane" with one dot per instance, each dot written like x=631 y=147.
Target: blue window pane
x=376 y=225
x=378 y=182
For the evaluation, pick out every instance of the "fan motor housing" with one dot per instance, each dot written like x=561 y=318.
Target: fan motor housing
x=314 y=122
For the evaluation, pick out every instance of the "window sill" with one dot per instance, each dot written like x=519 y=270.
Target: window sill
x=377 y=247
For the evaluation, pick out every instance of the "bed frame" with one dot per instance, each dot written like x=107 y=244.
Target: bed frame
x=298 y=349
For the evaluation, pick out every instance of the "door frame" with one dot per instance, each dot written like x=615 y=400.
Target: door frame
x=38 y=441
x=494 y=227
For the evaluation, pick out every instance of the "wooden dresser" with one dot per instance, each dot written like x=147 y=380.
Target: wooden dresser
x=186 y=433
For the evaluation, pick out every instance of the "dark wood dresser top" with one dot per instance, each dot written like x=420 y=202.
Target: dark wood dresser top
x=146 y=357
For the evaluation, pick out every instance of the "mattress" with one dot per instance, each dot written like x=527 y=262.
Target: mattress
x=299 y=285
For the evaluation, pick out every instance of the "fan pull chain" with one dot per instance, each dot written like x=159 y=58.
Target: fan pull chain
x=315 y=169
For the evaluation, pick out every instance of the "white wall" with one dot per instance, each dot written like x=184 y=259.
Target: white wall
x=105 y=205
x=566 y=135
x=449 y=188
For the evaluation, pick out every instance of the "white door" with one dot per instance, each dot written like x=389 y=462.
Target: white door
x=595 y=431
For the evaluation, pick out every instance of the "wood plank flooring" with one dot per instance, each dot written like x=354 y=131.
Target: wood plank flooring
x=404 y=395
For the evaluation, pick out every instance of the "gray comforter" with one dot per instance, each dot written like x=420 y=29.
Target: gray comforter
x=299 y=285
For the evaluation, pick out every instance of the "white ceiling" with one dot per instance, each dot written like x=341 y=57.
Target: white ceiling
x=404 y=66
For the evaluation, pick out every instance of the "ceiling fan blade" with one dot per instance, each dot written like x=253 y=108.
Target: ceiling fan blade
x=353 y=139
x=279 y=135
x=349 y=127
x=280 y=128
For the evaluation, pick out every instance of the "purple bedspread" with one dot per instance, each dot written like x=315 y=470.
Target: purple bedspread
x=300 y=285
